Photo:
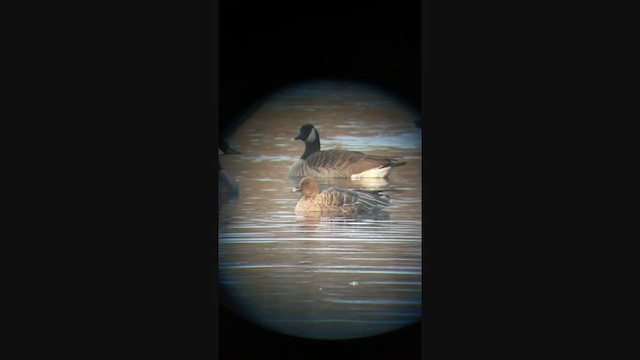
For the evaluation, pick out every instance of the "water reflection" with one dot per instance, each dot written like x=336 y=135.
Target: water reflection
x=310 y=285
x=323 y=275
x=337 y=220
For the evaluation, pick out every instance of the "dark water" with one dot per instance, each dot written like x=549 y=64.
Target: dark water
x=324 y=277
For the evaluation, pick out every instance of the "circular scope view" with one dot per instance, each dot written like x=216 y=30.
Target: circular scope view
x=323 y=244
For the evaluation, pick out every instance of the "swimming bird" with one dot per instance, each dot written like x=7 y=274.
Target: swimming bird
x=226 y=149
x=338 y=163
x=227 y=184
x=336 y=200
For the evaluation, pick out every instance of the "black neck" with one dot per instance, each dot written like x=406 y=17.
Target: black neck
x=310 y=148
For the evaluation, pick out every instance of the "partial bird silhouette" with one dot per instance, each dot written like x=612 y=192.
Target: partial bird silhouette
x=227 y=184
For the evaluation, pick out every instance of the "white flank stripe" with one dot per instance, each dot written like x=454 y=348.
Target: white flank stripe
x=372 y=173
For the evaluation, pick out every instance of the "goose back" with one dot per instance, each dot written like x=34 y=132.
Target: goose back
x=343 y=163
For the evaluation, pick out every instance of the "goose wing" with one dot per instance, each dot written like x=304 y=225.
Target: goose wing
x=335 y=197
x=351 y=199
x=353 y=161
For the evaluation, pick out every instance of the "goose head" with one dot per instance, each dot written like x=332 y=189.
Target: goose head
x=308 y=186
x=308 y=134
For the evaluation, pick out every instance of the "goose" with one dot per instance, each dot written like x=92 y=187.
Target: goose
x=227 y=184
x=225 y=149
x=336 y=200
x=338 y=163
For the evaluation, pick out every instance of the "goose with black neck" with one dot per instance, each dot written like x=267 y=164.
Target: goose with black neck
x=338 y=163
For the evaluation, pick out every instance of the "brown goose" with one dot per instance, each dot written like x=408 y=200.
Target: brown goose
x=338 y=163
x=335 y=200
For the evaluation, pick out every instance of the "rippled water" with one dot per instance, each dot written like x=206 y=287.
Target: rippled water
x=324 y=277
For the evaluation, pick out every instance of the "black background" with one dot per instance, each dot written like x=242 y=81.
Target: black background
x=265 y=46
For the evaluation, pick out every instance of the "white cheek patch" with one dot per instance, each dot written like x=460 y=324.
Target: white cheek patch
x=312 y=136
